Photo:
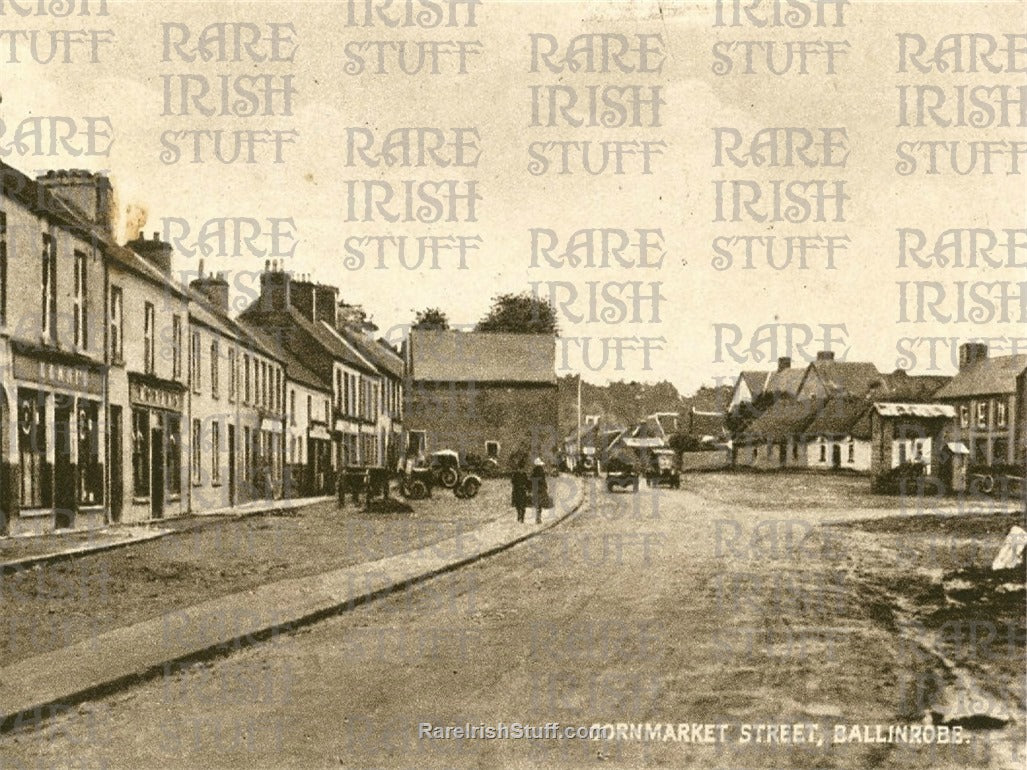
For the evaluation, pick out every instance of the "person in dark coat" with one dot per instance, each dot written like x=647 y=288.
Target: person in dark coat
x=520 y=492
x=539 y=489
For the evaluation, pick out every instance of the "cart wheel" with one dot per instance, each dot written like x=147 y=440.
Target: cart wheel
x=415 y=490
x=988 y=484
x=449 y=477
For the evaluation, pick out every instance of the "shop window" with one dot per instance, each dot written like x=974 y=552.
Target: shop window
x=140 y=452
x=90 y=486
x=902 y=453
x=823 y=451
x=1000 y=451
x=852 y=451
x=982 y=414
x=32 y=435
x=173 y=454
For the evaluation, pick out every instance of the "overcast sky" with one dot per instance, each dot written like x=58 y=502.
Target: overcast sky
x=494 y=98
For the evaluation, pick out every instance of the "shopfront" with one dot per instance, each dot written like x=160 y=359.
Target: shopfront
x=56 y=478
x=154 y=437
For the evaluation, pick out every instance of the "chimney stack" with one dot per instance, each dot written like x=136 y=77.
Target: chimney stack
x=275 y=289
x=90 y=195
x=214 y=288
x=825 y=355
x=784 y=362
x=970 y=353
x=156 y=252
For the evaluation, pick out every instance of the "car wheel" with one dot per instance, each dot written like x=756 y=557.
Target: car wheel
x=469 y=487
x=416 y=490
x=449 y=477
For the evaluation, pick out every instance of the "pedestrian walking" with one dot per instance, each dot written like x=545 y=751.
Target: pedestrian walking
x=520 y=490
x=539 y=489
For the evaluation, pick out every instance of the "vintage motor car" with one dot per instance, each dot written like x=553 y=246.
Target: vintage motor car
x=621 y=474
x=664 y=469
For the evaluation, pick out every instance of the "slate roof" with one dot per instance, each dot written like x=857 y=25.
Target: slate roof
x=786 y=417
x=294 y=368
x=988 y=376
x=900 y=386
x=845 y=378
x=326 y=338
x=755 y=381
x=785 y=382
x=376 y=351
x=837 y=417
x=452 y=356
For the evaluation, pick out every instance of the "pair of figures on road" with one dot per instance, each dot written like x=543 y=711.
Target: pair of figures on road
x=530 y=490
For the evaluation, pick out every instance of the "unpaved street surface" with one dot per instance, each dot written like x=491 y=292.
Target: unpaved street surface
x=700 y=606
x=54 y=605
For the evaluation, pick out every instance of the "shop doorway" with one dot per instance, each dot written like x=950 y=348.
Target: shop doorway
x=64 y=470
x=116 y=461
x=157 y=472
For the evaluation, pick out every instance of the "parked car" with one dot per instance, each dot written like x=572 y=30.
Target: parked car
x=445 y=468
x=664 y=469
x=621 y=474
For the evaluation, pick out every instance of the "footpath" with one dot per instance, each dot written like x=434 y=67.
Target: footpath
x=19 y=553
x=43 y=686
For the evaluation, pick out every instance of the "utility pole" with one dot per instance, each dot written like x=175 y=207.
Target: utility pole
x=578 y=432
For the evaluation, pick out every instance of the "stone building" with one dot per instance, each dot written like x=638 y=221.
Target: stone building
x=492 y=395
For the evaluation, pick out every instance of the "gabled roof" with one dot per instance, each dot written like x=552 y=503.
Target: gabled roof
x=844 y=378
x=756 y=382
x=785 y=382
x=452 y=356
x=987 y=376
x=786 y=417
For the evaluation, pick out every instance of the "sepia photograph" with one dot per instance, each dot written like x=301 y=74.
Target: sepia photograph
x=513 y=384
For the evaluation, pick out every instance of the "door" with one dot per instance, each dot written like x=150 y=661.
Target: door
x=836 y=456
x=157 y=472
x=65 y=483
x=116 y=459
x=231 y=464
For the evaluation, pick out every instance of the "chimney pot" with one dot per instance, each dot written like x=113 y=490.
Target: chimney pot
x=825 y=355
x=267 y=265
x=784 y=362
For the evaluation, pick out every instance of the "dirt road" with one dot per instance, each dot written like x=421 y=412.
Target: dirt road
x=725 y=620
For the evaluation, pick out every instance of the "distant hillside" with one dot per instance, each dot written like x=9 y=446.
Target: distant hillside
x=625 y=403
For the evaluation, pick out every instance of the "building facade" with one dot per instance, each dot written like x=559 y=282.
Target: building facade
x=53 y=388
x=491 y=395
x=989 y=415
